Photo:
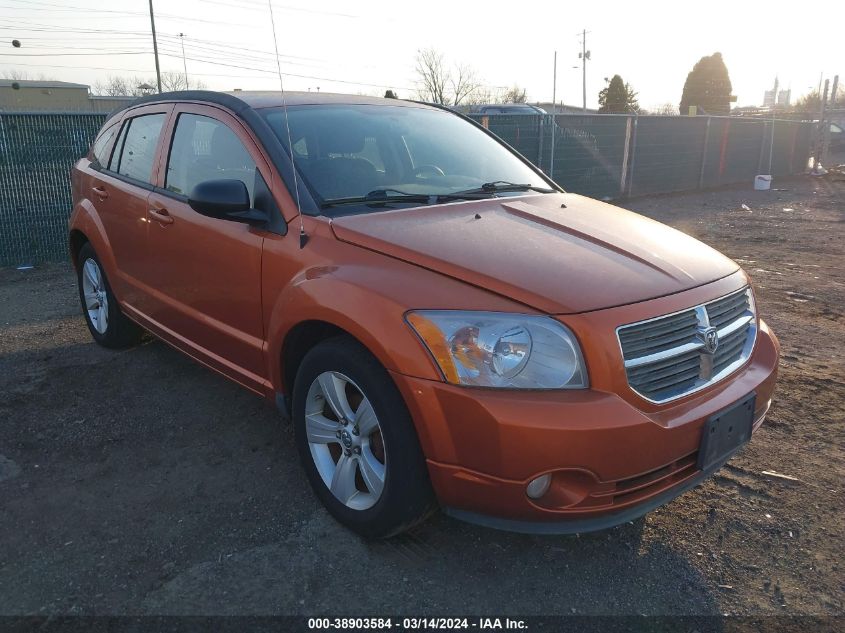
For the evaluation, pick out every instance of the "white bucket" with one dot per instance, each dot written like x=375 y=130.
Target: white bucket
x=762 y=183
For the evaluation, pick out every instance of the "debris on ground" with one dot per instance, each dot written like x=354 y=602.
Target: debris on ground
x=836 y=173
x=771 y=473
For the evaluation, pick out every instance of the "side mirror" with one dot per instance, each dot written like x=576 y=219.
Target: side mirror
x=225 y=199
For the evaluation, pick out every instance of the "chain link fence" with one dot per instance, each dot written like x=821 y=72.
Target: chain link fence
x=36 y=155
x=612 y=156
x=603 y=156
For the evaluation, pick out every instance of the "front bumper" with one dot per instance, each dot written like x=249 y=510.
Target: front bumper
x=611 y=459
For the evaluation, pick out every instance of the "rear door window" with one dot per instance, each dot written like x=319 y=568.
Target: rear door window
x=206 y=149
x=101 y=145
x=135 y=151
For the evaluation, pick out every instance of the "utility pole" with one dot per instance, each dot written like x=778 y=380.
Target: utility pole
x=155 y=46
x=554 y=123
x=825 y=120
x=584 y=55
x=184 y=63
x=820 y=149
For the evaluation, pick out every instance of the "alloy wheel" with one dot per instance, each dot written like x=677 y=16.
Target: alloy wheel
x=96 y=296
x=345 y=440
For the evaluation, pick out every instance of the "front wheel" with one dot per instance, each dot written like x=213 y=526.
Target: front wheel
x=107 y=324
x=357 y=441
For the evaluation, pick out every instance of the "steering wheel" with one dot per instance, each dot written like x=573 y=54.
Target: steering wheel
x=432 y=170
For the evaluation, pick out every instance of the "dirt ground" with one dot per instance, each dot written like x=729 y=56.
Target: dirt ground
x=141 y=483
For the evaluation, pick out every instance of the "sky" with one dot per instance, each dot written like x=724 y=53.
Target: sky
x=370 y=45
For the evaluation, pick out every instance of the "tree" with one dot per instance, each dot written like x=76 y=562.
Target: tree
x=515 y=94
x=15 y=74
x=666 y=109
x=172 y=81
x=464 y=84
x=126 y=86
x=116 y=86
x=433 y=76
x=438 y=83
x=618 y=98
x=811 y=103
x=390 y=94
x=708 y=86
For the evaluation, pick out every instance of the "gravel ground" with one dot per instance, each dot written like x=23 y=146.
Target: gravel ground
x=138 y=482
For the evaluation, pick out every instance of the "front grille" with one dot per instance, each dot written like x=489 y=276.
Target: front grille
x=671 y=356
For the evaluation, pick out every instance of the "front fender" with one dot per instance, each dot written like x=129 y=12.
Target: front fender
x=363 y=292
x=356 y=299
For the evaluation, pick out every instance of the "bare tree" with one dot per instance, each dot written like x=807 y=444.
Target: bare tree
x=434 y=78
x=173 y=81
x=15 y=74
x=117 y=86
x=666 y=109
x=126 y=86
x=439 y=83
x=515 y=94
x=464 y=83
x=482 y=95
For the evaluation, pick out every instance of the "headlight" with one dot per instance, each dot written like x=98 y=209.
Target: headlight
x=494 y=349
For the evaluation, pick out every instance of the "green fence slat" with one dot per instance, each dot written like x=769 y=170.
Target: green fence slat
x=37 y=152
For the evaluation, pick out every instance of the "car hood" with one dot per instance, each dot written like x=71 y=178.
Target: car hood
x=558 y=253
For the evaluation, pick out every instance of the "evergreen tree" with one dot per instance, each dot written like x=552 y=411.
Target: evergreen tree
x=618 y=98
x=708 y=86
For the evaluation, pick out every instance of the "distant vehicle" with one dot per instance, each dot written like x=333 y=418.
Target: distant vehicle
x=509 y=108
x=837 y=137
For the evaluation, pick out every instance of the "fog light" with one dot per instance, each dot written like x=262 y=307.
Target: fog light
x=538 y=487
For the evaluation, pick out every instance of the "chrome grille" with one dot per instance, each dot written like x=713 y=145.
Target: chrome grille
x=668 y=357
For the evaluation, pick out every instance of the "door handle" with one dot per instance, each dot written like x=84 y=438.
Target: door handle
x=100 y=192
x=161 y=216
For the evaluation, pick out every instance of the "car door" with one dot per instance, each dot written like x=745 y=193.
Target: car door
x=206 y=272
x=122 y=182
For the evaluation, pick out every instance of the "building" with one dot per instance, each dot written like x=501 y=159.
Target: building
x=775 y=98
x=22 y=95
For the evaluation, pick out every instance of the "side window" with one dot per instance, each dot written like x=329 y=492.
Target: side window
x=98 y=150
x=115 y=153
x=138 y=149
x=206 y=149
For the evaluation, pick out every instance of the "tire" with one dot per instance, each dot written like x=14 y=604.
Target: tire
x=108 y=325
x=385 y=443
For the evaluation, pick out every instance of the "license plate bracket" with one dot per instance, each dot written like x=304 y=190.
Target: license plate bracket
x=726 y=431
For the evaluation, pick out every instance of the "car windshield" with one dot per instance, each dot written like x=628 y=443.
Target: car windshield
x=355 y=153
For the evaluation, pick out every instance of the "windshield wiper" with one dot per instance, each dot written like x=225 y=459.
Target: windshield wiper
x=504 y=186
x=379 y=196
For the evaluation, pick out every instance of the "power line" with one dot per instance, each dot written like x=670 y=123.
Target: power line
x=215 y=48
x=133 y=70
x=260 y=7
x=135 y=34
x=218 y=63
x=172 y=16
x=73 y=54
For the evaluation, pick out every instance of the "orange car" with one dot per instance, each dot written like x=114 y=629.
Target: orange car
x=442 y=323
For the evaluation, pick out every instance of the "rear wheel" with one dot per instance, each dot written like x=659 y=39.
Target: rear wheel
x=107 y=324
x=357 y=441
